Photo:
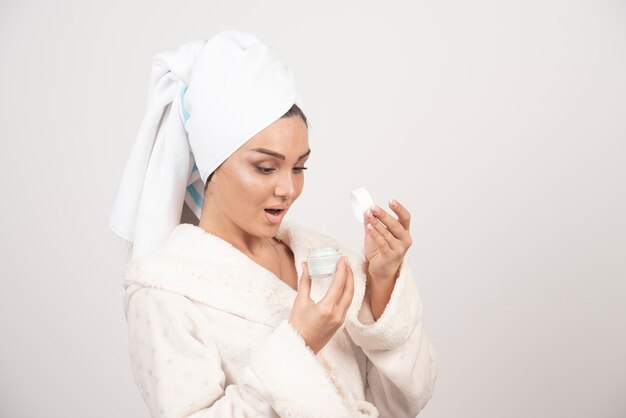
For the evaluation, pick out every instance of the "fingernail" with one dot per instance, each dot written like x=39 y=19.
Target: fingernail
x=393 y=203
x=369 y=213
x=375 y=209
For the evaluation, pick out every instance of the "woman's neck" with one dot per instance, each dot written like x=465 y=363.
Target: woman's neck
x=220 y=225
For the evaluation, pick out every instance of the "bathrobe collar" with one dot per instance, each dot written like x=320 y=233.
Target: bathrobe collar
x=210 y=270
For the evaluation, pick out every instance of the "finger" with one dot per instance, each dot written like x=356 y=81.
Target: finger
x=404 y=216
x=379 y=240
x=348 y=291
x=367 y=218
x=336 y=287
x=304 y=287
x=393 y=243
x=390 y=222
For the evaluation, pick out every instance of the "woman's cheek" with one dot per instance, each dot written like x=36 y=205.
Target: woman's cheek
x=253 y=183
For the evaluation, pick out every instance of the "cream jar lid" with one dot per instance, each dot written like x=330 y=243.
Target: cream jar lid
x=361 y=202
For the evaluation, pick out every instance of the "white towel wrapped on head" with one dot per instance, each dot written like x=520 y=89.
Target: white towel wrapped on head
x=205 y=100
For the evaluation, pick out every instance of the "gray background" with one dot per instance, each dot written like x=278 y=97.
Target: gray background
x=500 y=124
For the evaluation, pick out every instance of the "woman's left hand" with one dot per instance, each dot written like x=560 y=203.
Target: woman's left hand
x=387 y=240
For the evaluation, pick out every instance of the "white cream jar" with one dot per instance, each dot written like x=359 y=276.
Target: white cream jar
x=322 y=261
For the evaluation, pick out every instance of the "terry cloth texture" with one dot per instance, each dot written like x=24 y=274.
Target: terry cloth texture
x=209 y=336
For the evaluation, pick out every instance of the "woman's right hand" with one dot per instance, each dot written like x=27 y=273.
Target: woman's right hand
x=318 y=322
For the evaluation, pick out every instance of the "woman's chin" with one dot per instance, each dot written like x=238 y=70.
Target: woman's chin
x=272 y=229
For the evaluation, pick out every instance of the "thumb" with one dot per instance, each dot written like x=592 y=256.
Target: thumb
x=304 y=287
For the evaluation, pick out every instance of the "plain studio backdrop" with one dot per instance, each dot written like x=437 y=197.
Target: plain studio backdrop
x=501 y=125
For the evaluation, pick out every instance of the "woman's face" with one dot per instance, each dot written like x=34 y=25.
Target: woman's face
x=253 y=189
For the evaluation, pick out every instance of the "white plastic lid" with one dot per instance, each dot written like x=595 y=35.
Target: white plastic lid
x=361 y=202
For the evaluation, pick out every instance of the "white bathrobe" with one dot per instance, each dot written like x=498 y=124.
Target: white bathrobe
x=209 y=337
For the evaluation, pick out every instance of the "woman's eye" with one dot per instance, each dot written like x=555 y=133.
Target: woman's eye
x=264 y=170
x=269 y=170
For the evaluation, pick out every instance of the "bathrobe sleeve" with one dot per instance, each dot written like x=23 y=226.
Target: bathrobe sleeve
x=177 y=367
x=401 y=365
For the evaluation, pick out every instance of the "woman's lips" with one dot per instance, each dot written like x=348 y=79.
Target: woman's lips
x=275 y=215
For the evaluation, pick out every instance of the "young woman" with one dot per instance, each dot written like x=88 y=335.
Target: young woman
x=224 y=319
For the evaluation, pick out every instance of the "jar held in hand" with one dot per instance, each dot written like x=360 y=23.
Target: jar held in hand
x=322 y=261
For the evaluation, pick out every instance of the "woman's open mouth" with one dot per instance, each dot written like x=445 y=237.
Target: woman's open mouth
x=274 y=215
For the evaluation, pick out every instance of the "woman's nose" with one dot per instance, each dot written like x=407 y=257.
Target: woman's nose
x=285 y=186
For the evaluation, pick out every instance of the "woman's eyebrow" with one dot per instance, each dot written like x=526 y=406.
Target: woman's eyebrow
x=277 y=155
